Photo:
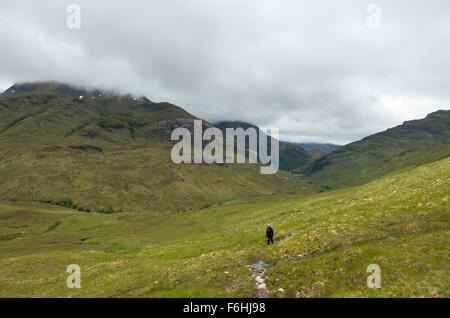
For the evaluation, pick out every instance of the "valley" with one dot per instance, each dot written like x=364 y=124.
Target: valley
x=399 y=221
x=90 y=181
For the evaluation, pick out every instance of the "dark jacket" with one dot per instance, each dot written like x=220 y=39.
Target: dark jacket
x=269 y=232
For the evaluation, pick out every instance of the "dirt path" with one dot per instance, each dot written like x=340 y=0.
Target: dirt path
x=258 y=270
x=280 y=238
x=20 y=228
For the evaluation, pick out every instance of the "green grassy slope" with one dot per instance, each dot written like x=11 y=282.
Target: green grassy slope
x=413 y=142
x=100 y=149
x=399 y=221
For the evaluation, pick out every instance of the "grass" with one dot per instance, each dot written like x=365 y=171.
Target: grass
x=399 y=221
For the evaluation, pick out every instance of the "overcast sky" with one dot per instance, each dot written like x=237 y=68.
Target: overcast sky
x=321 y=71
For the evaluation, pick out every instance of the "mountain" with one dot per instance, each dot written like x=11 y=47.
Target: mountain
x=292 y=156
x=99 y=150
x=77 y=148
x=323 y=148
x=414 y=142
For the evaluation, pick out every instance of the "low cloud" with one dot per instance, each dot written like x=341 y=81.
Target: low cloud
x=312 y=68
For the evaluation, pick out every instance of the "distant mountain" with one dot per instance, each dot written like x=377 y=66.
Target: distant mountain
x=314 y=152
x=292 y=156
x=414 y=142
x=324 y=148
x=99 y=150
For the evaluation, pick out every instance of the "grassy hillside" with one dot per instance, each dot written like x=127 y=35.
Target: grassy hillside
x=414 y=142
x=101 y=150
x=325 y=243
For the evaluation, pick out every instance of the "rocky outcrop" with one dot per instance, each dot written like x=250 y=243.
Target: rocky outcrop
x=164 y=128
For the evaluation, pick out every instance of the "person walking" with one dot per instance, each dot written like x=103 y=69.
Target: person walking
x=269 y=234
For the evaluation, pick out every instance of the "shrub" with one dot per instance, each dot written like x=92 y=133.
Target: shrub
x=67 y=203
x=108 y=210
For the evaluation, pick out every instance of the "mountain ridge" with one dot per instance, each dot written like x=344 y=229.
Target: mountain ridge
x=292 y=156
x=413 y=142
x=100 y=149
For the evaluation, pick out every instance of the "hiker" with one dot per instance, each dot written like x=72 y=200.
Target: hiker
x=269 y=234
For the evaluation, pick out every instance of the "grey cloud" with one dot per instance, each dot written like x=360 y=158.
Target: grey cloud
x=312 y=68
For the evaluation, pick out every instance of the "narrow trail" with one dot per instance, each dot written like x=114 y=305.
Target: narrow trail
x=280 y=238
x=259 y=267
x=258 y=270
x=20 y=228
